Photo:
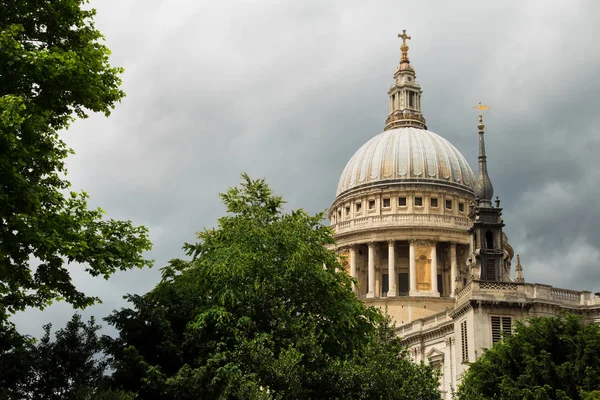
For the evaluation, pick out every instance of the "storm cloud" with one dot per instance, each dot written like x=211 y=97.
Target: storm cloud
x=289 y=91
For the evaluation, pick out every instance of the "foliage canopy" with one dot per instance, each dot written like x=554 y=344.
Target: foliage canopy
x=545 y=358
x=70 y=365
x=263 y=310
x=53 y=68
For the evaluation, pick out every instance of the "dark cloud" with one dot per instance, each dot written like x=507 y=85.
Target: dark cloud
x=289 y=91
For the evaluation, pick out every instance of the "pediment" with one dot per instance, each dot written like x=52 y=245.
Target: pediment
x=435 y=356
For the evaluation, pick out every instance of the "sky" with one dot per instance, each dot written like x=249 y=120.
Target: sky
x=288 y=91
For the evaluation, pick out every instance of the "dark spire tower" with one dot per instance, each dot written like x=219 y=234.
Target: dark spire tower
x=487 y=226
x=484 y=191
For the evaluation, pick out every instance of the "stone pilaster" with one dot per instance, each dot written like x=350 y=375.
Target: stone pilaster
x=412 y=265
x=391 y=269
x=353 y=272
x=371 y=272
x=453 y=269
x=434 y=283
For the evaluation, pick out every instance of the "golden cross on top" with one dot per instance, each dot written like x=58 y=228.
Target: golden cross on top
x=481 y=107
x=404 y=36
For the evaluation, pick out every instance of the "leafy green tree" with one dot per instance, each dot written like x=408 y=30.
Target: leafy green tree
x=545 y=358
x=261 y=311
x=70 y=365
x=53 y=68
x=16 y=361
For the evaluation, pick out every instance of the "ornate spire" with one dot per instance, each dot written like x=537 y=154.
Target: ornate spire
x=484 y=191
x=519 y=271
x=405 y=94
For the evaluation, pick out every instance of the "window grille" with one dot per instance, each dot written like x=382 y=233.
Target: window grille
x=500 y=326
x=490 y=269
x=464 y=341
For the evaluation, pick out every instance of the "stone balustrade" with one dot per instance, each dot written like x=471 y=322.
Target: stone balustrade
x=503 y=291
x=524 y=293
x=424 y=324
x=395 y=220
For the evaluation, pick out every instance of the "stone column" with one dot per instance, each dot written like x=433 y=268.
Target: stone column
x=412 y=268
x=353 y=265
x=453 y=271
x=391 y=269
x=434 y=285
x=371 y=263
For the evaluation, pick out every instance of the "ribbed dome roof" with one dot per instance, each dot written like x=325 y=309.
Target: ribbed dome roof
x=406 y=155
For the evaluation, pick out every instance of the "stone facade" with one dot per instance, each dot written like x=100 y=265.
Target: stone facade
x=425 y=243
x=481 y=310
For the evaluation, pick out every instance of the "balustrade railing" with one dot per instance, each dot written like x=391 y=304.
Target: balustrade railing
x=565 y=295
x=377 y=221
x=481 y=290
x=502 y=286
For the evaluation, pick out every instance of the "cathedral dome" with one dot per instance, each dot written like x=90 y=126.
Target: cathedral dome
x=406 y=155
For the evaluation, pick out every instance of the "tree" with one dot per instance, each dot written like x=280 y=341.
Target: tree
x=72 y=365
x=53 y=68
x=545 y=358
x=16 y=361
x=263 y=310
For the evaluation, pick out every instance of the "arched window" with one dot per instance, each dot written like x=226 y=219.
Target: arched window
x=489 y=240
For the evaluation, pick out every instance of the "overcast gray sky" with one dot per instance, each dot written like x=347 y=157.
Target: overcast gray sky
x=289 y=91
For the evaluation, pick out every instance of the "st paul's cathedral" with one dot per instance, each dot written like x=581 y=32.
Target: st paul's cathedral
x=423 y=237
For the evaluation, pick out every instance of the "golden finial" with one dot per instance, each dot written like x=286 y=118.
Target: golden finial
x=481 y=108
x=404 y=46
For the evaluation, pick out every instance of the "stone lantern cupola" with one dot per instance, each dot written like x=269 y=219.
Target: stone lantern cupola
x=405 y=94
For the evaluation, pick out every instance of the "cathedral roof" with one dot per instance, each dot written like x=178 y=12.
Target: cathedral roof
x=406 y=151
x=404 y=155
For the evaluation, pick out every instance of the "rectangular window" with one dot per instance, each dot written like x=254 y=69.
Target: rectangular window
x=449 y=204
x=386 y=202
x=490 y=269
x=347 y=211
x=402 y=201
x=403 y=284
x=461 y=207
x=500 y=326
x=464 y=343
x=358 y=207
x=371 y=204
x=434 y=202
x=385 y=284
x=411 y=99
x=418 y=201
